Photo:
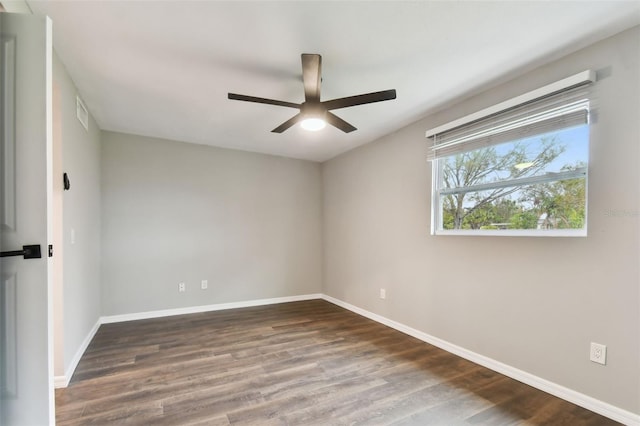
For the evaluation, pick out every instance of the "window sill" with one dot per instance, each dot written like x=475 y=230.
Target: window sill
x=514 y=233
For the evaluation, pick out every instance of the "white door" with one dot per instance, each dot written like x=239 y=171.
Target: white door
x=26 y=380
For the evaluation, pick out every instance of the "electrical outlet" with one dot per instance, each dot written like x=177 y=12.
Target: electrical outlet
x=383 y=293
x=204 y=284
x=598 y=353
x=182 y=287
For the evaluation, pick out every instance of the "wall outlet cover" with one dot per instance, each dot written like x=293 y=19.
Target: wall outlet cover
x=598 y=353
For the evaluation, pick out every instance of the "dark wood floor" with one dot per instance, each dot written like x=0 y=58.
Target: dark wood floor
x=302 y=363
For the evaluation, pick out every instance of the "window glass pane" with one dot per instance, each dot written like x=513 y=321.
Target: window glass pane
x=556 y=203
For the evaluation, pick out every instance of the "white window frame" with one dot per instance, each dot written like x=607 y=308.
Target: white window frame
x=577 y=80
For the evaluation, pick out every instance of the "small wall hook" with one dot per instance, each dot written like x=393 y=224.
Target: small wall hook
x=65 y=179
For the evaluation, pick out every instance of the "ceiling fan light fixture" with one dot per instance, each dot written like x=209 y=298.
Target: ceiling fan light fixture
x=313 y=124
x=314 y=114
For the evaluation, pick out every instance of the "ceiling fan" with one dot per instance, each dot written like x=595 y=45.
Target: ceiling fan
x=314 y=113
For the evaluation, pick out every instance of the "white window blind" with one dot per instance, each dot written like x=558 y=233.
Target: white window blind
x=561 y=109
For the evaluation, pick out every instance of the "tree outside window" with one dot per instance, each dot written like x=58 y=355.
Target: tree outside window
x=537 y=183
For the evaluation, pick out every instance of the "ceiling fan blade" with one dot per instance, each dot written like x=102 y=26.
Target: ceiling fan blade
x=237 y=97
x=338 y=122
x=367 y=98
x=311 y=76
x=287 y=124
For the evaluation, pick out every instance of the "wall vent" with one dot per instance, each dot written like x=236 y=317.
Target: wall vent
x=82 y=113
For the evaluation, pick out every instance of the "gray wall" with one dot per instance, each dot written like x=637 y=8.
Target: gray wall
x=248 y=223
x=532 y=303
x=80 y=212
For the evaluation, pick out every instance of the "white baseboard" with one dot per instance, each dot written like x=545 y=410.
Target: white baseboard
x=206 y=308
x=63 y=381
x=60 y=381
x=585 y=401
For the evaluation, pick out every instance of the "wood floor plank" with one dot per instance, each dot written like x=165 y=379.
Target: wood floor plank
x=299 y=363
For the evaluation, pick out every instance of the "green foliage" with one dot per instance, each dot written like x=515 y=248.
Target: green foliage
x=526 y=219
x=560 y=204
x=556 y=205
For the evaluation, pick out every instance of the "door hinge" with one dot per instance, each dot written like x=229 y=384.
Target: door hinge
x=50 y=250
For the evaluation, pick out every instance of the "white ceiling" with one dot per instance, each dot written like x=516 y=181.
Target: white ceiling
x=163 y=68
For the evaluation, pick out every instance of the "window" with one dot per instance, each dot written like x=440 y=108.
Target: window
x=519 y=169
